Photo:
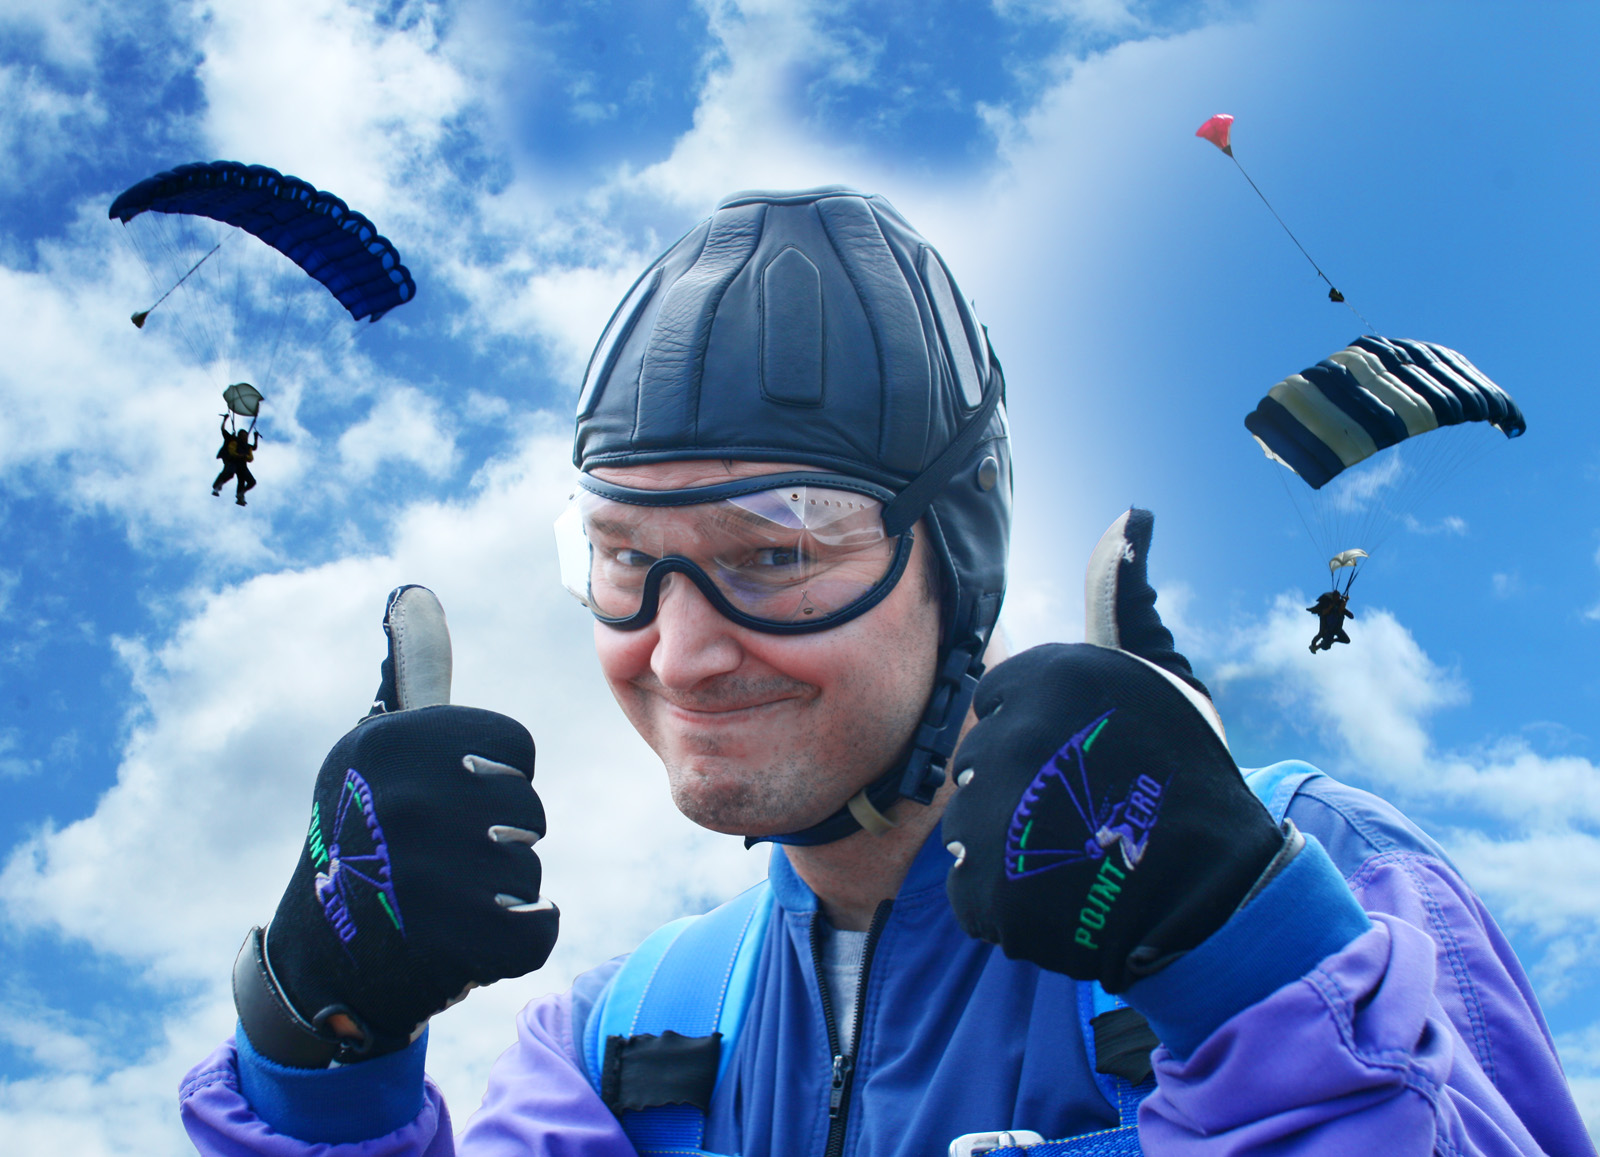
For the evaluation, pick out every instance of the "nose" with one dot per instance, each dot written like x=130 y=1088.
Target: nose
x=693 y=642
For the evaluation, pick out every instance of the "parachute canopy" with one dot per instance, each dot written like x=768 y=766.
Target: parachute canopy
x=1346 y=558
x=243 y=399
x=316 y=230
x=1219 y=131
x=1374 y=393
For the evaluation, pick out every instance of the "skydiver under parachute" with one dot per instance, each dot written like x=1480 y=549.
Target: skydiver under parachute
x=1331 y=609
x=179 y=221
x=237 y=452
x=1362 y=400
x=238 y=446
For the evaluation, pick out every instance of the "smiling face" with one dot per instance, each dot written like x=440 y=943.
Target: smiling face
x=763 y=734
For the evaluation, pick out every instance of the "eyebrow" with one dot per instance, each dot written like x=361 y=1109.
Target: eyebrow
x=614 y=525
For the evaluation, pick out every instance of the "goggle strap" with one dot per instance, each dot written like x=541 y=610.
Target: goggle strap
x=909 y=504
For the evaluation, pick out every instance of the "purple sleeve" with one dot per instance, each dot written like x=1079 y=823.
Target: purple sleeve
x=538 y=1102
x=1419 y=1036
x=222 y=1123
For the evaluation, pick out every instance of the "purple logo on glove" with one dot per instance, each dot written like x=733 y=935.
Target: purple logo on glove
x=1124 y=823
x=356 y=857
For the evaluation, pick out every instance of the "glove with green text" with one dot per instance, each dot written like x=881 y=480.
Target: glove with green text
x=1100 y=827
x=417 y=880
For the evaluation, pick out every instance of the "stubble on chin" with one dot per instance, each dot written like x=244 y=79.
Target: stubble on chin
x=740 y=797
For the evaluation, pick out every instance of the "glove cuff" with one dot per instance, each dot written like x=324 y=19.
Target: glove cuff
x=276 y=1029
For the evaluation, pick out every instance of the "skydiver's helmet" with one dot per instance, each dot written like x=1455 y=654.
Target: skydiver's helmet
x=818 y=327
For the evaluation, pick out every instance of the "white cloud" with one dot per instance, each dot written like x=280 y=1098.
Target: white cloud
x=747 y=133
x=34 y=115
x=12 y=765
x=67 y=29
x=332 y=93
x=405 y=425
x=1452 y=524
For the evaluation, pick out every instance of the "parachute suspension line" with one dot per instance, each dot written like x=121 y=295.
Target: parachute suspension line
x=277 y=342
x=1333 y=292
x=140 y=316
x=173 y=239
x=1278 y=471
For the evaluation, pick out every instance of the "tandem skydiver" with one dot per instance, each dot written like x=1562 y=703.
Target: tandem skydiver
x=238 y=450
x=1331 y=609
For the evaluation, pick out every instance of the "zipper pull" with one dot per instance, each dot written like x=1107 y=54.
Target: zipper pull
x=841 y=1074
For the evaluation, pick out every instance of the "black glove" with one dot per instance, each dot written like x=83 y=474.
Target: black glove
x=418 y=878
x=1101 y=828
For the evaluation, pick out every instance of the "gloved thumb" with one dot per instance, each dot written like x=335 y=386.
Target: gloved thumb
x=1120 y=606
x=416 y=671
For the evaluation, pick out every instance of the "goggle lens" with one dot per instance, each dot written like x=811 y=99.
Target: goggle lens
x=786 y=556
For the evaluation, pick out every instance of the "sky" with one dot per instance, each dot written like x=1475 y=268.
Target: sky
x=173 y=667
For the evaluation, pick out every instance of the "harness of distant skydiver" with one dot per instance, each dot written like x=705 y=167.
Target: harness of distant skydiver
x=818 y=328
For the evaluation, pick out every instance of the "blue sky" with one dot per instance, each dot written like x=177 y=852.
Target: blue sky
x=172 y=667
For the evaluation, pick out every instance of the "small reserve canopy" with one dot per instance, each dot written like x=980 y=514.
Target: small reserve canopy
x=1346 y=558
x=1374 y=393
x=243 y=399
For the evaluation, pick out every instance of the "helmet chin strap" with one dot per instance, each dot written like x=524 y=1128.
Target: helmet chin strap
x=917 y=776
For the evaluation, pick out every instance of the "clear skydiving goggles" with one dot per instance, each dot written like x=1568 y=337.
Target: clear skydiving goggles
x=780 y=553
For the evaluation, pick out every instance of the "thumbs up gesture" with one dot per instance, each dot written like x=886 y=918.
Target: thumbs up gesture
x=417 y=880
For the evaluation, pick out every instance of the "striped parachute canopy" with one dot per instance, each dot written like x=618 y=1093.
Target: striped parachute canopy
x=1373 y=394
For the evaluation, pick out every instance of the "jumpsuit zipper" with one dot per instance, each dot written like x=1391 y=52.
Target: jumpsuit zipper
x=843 y=1073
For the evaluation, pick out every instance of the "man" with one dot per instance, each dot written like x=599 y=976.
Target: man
x=1331 y=609
x=237 y=451
x=791 y=529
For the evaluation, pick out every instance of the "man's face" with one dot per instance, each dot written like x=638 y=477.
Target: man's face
x=763 y=734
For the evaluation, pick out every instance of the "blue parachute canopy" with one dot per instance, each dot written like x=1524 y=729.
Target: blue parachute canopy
x=1374 y=393
x=317 y=231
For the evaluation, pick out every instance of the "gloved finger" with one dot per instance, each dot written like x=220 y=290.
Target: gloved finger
x=522 y=943
x=1120 y=603
x=1000 y=681
x=417 y=669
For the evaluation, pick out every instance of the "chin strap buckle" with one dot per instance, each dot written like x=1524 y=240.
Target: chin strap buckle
x=941 y=726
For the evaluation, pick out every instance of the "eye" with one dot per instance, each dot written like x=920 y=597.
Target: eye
x=627 y=556
x=778 y=557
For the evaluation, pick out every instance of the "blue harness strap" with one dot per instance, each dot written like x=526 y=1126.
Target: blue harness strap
x=694 y=976
x=664 y=985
